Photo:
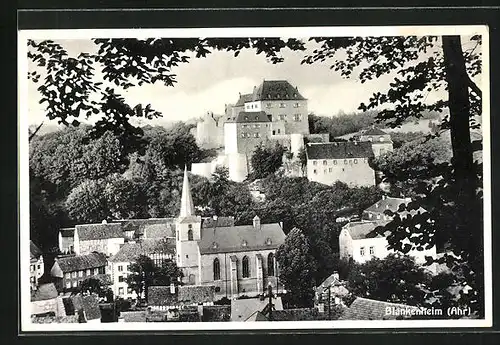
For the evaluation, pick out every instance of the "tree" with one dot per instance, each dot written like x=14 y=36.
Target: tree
x=87 y=202
x=144 y=273
x=395 y=278
x=266 y=160
x=126 y=198
x=141 y=275
x=297 y=268
x=93 y=285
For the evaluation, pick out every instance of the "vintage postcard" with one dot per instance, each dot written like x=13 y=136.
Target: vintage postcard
x=255 y=178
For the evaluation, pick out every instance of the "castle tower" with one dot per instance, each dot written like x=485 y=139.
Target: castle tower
x=188 y=233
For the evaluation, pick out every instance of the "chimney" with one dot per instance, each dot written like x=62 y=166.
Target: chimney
x=384 y=197
x=336 y=275
x=172 y=288
x=256 y=222
x=377 y=205
x=104 y=221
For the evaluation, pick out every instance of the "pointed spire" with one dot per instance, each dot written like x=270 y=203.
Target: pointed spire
x=187 y=205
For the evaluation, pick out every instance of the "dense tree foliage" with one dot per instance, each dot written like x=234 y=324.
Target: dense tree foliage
x=297 y=268
x=266 y=160
x=144 y=273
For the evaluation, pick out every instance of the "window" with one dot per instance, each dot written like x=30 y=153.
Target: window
x=256 y=126
x=325 y=162
x=257 y=135
x=296 y=105
x=324 y=171
x=38 y=267
x=73 y=274
x=32 y=268
x=378 y=216
x=270 y=264
x=355 y=161
x=243 y=126
x=370 y=215
x=216 y=269
x=297 y=117
x=279 y=130
x=129 y=290
x=269 y=105
x=96 y=271
x=120 y=291
x=282 y=105
x=68 y=285
x=334 y=162
x=362 y=251
x=88 y=272
x=120 y=268
x=246 y=267
x=100 y=270
x=243 y=135
x=128 y=268
x=370 y=139
x=282 y=117
x=381 y=139
x=67 y=275
x=80 y=274
x=372 y=250
x=345 y=161
x=330 y=170
x=187 y=256
x=120 y=279
x=315 y=171
x=315 y=163
x=190 y=235
x=75 y=283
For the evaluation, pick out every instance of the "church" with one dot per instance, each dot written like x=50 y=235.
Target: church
x=237 y=260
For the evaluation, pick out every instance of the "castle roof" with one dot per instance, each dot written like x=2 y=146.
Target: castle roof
x=81 y=262
x=339 y=150
x=88 y=232
x=273 y=90
x=240 y=238
x=243 y=99
x=251 y=116
x=131 y=250
x=364 y=229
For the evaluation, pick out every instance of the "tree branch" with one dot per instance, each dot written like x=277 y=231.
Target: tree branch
x=35 y=132
x=475 y=88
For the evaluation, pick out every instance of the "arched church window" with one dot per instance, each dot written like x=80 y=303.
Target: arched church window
x=190 y=233
x=246 y=267
x=270 y=264
x=216 y=269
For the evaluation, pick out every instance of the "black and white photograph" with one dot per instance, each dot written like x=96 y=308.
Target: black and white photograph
x=255 y=178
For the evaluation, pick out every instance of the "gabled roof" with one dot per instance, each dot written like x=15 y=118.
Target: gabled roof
x=374 y=131
x=257 y=316
x=339 y=150
x=273 y=90
x=131 y=250
x=81 y=262
x=44 y=292
x=331 y=280
x=140 y=226
x=184 y=295
x=242 y=309
x=89 y=304
x=240 y=238
x=35 y=252
x=392 y=204
x=157 y=231
x=87 y=232
x=67 y=232
x=369 y=309
x=209 y=222
x=364 y=229
x=251 y=117
x=243 y=99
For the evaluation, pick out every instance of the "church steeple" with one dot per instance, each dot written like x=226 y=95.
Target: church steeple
x=187 y=205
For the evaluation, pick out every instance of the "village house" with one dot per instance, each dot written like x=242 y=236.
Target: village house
x=150 y=228
x=385 y=209
x=36 y=265
x=235 y=259
x=104 y=238
x=253 y=309
x=209 y=132
x=175 y=297
x=346 y=162
x=330 y=293
x=158 y=249
x=46 y=301
x=380 y=140
x=362 y=241
x=70 y=271
x=67 y=240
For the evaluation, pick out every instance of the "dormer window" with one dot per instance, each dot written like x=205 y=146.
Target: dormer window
x=269 y=242
x=246 y=118
x=282 y=105
x=244 y=243
x=215 y=245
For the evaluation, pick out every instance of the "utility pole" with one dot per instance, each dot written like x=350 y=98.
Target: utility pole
x=329 y=303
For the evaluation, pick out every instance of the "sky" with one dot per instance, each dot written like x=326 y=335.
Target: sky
x=207 y=84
